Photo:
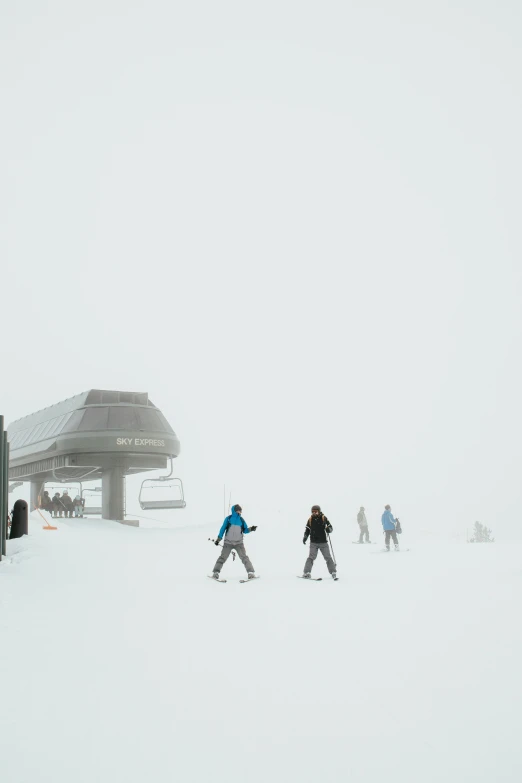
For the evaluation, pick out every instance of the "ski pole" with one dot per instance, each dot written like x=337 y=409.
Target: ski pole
x=331 y=547
x=221 y=545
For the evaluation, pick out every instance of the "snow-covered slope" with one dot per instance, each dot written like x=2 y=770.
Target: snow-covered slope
x=122 y=662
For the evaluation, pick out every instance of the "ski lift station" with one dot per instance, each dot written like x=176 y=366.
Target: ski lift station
x=105 y=435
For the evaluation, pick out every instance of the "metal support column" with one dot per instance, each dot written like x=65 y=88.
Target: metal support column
x=113 y=493
x=36 y=492
x=3 y=512
x=6 y=488
x=4 y=472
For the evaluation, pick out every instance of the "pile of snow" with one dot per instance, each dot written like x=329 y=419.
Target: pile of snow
x=122 y=662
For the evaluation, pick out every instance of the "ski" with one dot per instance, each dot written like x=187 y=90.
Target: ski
x=242 y=581
x=216 y=580
x=364 y=542
x=311 y=579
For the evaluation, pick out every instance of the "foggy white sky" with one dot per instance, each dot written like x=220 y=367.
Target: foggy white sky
x=295 y=224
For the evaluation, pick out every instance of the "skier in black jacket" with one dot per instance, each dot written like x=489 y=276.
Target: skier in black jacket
x=316 y=528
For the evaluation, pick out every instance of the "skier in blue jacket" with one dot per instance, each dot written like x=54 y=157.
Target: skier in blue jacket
x=388 y=523
x=232 y=530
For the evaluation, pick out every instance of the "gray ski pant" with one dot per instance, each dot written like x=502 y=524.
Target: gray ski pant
x=325 y=551
x=364 y=532
x=225 y=554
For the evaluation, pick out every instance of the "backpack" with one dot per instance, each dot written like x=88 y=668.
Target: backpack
x=327 y=526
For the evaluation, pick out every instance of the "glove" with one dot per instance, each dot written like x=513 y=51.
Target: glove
x=304 y=540
x=329 y=528
x=216 y=542
x=254 y=527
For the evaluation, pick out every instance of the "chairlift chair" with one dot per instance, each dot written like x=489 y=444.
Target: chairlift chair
x=92 y=511
x=172 y=487
x=71 y=490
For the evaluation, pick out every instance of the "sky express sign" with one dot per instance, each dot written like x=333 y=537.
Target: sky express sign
x=139 y=442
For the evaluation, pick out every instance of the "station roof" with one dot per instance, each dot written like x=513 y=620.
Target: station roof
x=94 y=410
x=89 y=424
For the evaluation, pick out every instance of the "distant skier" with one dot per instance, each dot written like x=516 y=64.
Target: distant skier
x=388 y=523
x=232 y=529
x=316 y=529
x=363 y=526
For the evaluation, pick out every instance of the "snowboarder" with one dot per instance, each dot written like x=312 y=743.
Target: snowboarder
x=317 y=529
x=363 y=526
x=233 y=529
x=388 y=523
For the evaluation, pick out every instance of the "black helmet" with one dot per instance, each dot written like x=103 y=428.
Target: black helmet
x=316 y=508
x=237 y=508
